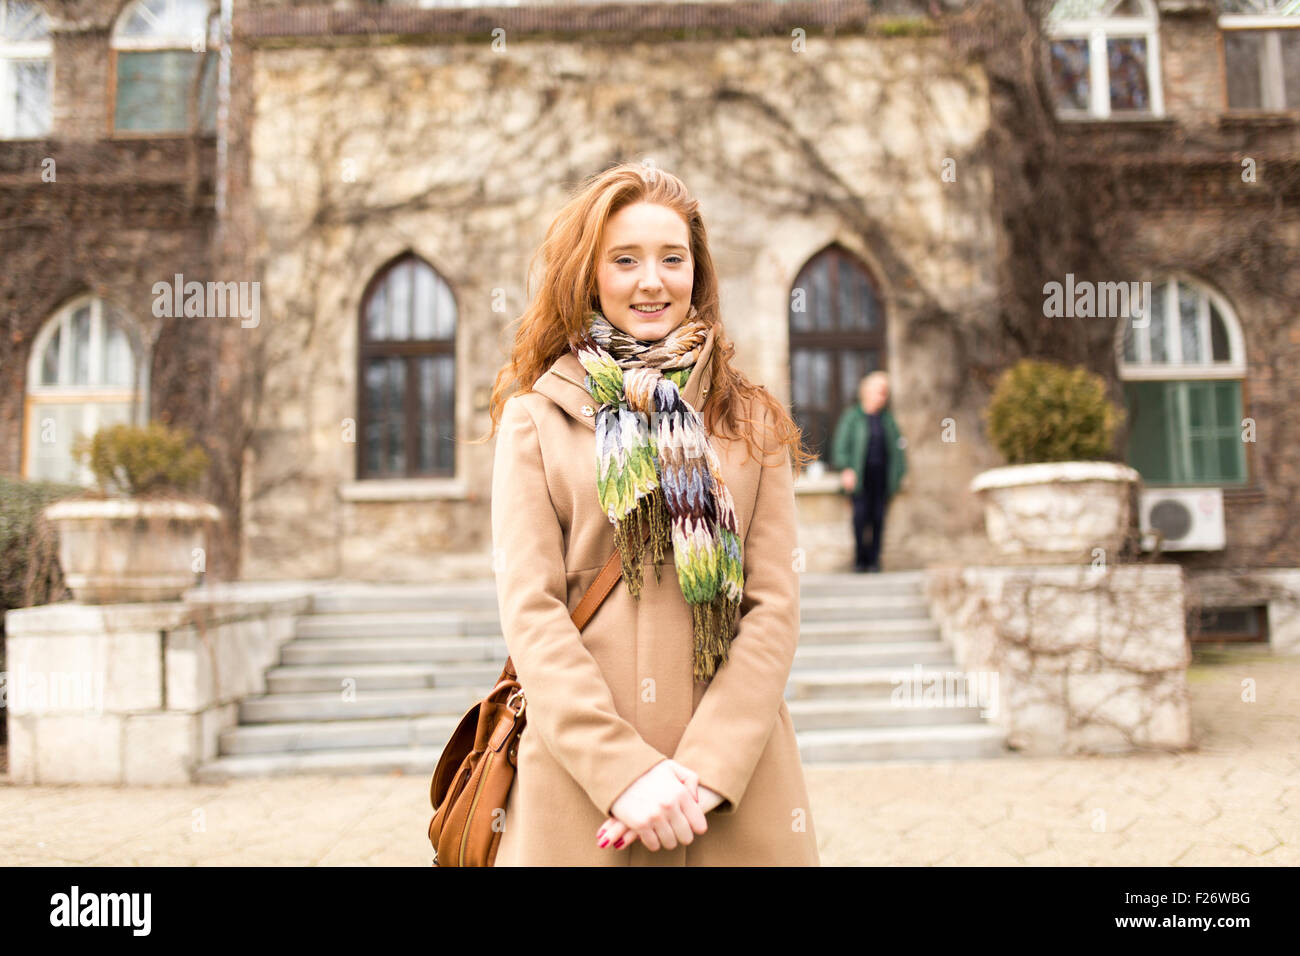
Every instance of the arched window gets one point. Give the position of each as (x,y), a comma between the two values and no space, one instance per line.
(25,76)
(837,335)
(1183,372)
(1104,57)
(87,371)
(407,373)
(161,48)
(1261,53)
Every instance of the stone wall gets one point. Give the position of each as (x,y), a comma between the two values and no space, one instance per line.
(136,693)
(461,152)
(1089,661)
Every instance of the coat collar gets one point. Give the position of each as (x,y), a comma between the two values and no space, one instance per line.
(562,384)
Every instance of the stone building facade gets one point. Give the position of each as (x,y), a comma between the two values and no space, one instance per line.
(390,153)
(104,189)
(456,150)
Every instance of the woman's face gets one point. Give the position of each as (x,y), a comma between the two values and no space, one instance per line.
(646,260)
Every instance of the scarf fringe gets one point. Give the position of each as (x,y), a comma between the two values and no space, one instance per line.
(629,533)
(714,624)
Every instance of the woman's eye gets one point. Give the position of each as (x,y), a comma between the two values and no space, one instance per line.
(622,259)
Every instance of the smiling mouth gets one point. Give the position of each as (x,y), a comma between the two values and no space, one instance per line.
(654,309)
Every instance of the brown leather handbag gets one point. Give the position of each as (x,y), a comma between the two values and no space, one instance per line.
(477,767)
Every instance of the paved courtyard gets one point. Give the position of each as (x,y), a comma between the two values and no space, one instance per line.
(1235,800)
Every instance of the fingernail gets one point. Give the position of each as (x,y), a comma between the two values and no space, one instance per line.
(619,843)
(603,842)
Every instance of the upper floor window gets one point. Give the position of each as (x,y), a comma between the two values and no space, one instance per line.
(407,374)
(1183,371)
(837,336)
(87,371)
(25,75)
(164,55)
(1104,57)
(1261,53)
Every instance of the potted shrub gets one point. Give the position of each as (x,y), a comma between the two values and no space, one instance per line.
(1057,498)
(137,537)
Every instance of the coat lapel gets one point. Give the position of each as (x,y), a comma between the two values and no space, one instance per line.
(562,384)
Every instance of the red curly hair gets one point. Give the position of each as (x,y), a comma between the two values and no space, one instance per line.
(569,293)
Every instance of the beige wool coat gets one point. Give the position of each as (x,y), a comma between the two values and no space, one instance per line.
(606,704)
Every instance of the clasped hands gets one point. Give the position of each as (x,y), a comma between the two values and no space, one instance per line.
(663,807)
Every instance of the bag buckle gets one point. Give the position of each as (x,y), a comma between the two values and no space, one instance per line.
(517,692)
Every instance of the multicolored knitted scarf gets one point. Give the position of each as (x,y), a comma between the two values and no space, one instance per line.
(655,463)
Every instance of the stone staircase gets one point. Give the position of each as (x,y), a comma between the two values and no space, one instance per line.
(376,678)
(860,636)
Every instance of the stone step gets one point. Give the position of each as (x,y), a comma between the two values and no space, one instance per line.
(945,742)
(416,761)
(827,713)
(394,650)
(357,599)
(475,618)
(817,657)
(448,623)
(482,595)
(303,679)
(270,708)
(313,735)
(869,681)
(864,608)
(822,584)
(937,742)
(861,631)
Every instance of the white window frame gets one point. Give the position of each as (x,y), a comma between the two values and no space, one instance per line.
(89,395)
(1097,30)
(1177,369)
(1271,86)
(23,50)
(162,39)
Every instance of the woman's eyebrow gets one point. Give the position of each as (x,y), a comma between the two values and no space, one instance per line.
(636,248)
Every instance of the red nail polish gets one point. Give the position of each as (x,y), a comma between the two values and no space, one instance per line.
(603,842)
(619,843)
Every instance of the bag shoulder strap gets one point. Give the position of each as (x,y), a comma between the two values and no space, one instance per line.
(596,593)
(598,590)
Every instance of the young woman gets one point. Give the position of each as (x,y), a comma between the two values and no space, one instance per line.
(659,734)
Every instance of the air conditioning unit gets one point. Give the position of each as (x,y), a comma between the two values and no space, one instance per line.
(1188,519)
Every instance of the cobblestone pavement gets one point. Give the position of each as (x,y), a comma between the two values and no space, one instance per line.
(1234,800)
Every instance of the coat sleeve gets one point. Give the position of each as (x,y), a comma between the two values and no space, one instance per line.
(901,444)
(839,453)
(568,704)
(730,728)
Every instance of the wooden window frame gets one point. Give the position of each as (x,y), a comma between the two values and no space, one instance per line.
(410,350)
(838,339)
(1271,25)
(161,43)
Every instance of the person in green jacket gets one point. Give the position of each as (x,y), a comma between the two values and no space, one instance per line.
(867,448)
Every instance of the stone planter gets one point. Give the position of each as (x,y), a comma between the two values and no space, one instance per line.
(1056,511)
(115,550)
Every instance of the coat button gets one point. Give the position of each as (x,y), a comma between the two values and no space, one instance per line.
(587,410)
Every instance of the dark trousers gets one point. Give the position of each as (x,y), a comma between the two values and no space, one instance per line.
(869,519)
